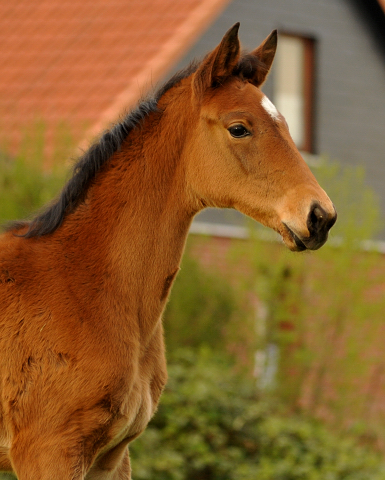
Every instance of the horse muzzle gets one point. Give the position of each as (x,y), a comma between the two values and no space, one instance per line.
(318,224)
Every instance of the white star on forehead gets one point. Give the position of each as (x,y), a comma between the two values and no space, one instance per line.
(270,108)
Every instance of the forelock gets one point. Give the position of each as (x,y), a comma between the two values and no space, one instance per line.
(248,66)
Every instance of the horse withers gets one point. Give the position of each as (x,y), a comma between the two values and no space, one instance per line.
(83,285)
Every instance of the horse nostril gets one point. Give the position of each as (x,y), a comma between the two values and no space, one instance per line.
(317,219)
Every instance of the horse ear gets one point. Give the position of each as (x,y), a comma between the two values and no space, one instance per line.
(219,64)
(265,54)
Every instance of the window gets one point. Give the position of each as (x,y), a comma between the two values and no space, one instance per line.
(294,87)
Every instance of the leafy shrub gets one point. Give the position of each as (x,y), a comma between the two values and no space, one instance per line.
(30,178)
(201,306)
(211,426)
(319,314)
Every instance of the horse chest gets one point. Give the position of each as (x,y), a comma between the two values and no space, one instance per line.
(136,410)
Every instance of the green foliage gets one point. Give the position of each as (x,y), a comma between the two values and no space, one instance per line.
(324,310)
(359,216)
(201,307)
(26,183)
(211,426)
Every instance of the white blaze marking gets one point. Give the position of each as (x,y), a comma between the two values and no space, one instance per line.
(270,108)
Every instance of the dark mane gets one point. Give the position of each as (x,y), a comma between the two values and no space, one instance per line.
(89,164)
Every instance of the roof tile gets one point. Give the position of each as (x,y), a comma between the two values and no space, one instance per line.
(83,61)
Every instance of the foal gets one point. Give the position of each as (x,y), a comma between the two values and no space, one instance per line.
(84,284)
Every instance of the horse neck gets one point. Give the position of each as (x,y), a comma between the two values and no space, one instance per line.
(132,228)
(152,207)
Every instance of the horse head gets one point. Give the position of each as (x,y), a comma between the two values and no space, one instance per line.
(242,155)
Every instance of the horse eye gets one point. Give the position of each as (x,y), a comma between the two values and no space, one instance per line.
(238,131)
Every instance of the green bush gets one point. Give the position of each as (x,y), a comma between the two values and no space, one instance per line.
(330,298)
(201,308)
(31,178)
(211,426)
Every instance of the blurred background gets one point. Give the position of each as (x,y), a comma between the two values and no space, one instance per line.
(277,360)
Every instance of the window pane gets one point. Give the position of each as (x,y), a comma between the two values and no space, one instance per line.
(289,85)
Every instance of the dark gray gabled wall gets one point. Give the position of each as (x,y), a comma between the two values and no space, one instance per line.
(350,71)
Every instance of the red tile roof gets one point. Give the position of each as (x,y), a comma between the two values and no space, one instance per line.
(82,61)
